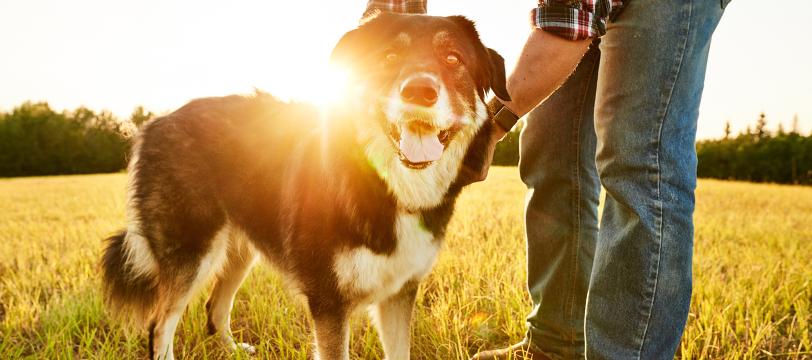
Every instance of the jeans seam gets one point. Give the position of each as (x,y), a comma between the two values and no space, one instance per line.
(577,193)
(658,204)
(573,259)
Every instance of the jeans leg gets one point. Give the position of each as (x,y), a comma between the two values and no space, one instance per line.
(558,166)
(649,87)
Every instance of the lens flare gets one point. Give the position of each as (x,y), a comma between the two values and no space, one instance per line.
(333,87)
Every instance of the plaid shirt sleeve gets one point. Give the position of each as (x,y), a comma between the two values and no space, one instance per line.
(575,19)
(396,6)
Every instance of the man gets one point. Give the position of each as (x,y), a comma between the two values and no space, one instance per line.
(622,82)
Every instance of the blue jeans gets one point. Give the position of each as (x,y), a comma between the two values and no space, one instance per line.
(625,119)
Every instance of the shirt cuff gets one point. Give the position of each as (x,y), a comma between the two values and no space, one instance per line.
(567,22)
(396,6)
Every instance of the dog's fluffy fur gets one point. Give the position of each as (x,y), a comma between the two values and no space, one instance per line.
(329,199)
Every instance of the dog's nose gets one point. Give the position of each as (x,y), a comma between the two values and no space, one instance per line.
(419,91)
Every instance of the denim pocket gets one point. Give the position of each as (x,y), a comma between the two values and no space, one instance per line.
(724,3)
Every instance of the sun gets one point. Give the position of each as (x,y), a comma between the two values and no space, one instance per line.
(333,86)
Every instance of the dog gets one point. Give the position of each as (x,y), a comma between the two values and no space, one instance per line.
(349,204)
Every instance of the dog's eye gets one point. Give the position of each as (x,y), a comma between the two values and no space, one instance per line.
(391,57)
(452,59)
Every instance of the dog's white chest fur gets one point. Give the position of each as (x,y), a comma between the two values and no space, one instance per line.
(377,276)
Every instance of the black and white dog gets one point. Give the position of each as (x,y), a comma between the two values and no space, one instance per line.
(351,207)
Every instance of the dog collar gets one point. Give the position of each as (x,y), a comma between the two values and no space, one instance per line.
(502,116)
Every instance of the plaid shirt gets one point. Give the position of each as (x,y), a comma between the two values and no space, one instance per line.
(571,19)
(397,6)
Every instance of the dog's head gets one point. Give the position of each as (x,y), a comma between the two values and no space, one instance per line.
(419,98)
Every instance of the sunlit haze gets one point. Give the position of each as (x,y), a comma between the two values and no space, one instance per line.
(159,54)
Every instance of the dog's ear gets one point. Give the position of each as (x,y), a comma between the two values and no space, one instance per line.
(356,42)
(491,66)
(498,79)
(347,46)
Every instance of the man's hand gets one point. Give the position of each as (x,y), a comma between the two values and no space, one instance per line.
(496,135)
(480,154)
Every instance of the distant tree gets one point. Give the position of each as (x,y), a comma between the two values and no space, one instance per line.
(761,127)
(140,116)
(727,130)
(795,129)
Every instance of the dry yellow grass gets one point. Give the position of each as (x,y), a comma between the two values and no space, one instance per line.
(752,294)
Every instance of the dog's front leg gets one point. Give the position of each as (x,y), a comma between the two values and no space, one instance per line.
(332,336)
(393,318)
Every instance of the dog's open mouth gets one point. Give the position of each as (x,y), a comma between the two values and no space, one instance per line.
(420,144)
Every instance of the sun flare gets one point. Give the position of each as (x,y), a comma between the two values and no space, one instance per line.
(333,87)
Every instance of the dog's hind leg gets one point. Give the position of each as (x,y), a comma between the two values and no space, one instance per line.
(180,281)
(162,330)
(240,259)
(392,318)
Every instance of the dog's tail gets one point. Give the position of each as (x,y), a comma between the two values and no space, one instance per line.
(128,293)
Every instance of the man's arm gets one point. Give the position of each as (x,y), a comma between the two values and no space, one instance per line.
(546,61)
(562,32)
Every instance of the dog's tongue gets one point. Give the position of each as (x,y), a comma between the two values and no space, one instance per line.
(418,148)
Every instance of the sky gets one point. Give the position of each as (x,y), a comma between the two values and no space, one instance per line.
(116,55)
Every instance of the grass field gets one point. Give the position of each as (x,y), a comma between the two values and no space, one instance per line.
(752,292)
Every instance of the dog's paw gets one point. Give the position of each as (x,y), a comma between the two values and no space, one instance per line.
(247,348)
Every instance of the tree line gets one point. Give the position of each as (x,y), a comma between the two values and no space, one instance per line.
(36,140)
(759,155)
